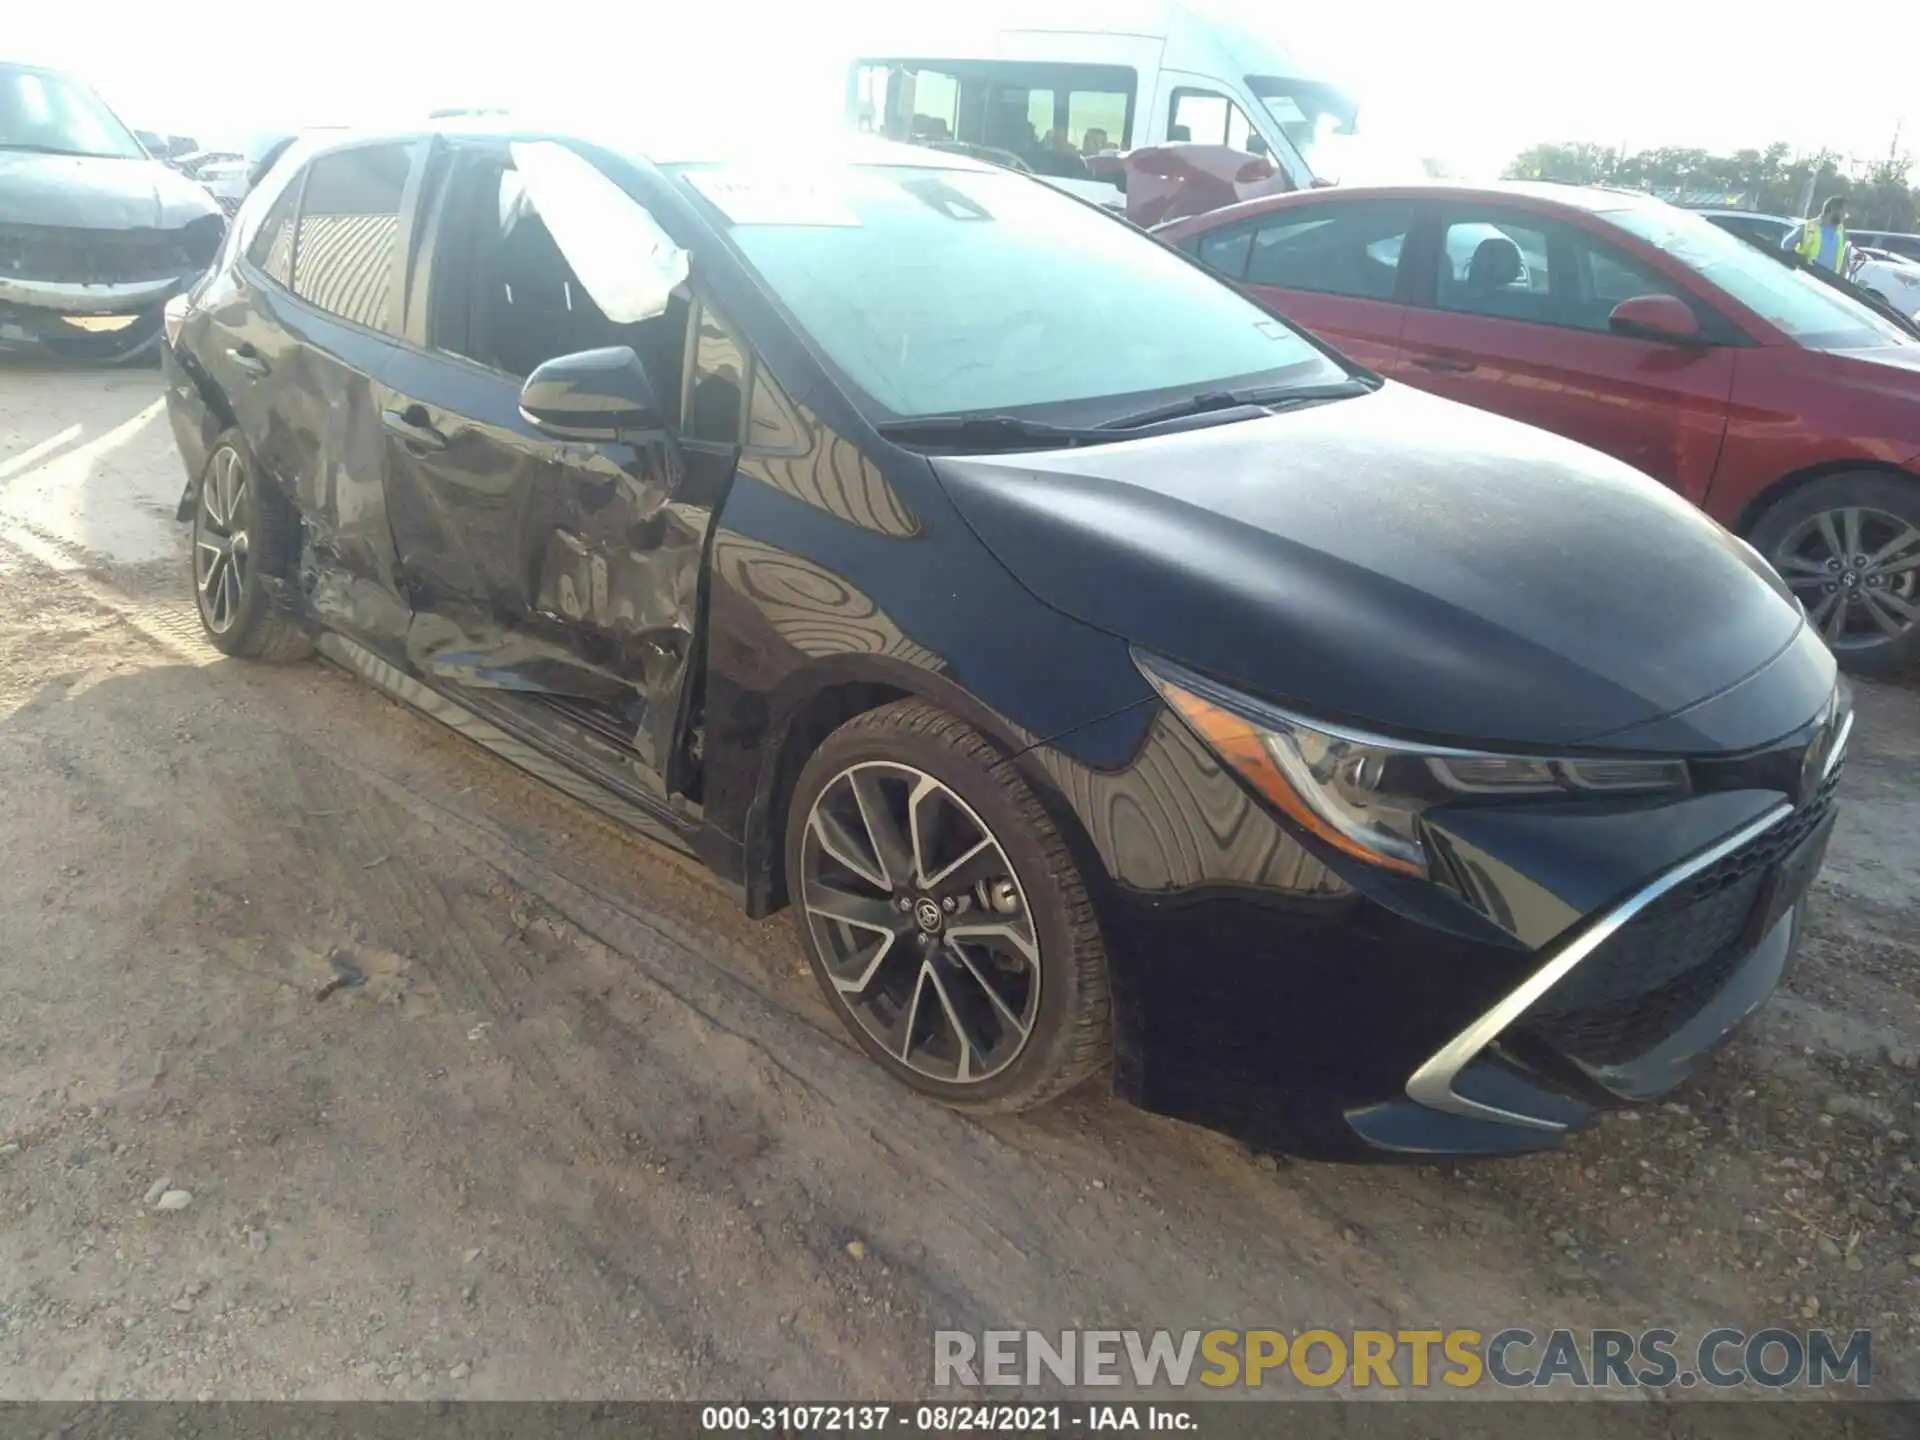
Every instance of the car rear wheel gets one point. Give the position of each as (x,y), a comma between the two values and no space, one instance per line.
(943,914)
(1849,547)
(244,533)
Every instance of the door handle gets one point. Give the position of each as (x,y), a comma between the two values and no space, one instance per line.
(415,429)
(1444,364)
(248,360)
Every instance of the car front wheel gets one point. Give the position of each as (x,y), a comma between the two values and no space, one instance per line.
(1849,547)
(943,914)
(244,533)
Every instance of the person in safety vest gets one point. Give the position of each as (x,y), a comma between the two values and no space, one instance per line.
(1823,240)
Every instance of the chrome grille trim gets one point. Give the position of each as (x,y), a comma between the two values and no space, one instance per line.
(1432,1084)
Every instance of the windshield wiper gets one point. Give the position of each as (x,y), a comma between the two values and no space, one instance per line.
(991,430)
(1268,397)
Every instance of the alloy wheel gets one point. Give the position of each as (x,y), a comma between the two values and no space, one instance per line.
(1857,570)
(221,556)
(920,922)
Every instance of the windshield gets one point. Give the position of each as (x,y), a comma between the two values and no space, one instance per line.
(52,114)
(1311,115)
(1816,315)
(938,292)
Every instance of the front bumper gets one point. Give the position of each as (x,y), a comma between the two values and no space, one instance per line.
(110,321)
(1269,992)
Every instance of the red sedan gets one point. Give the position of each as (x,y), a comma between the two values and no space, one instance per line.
(1784,409)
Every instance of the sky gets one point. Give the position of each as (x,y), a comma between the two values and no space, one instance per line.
(1458,81)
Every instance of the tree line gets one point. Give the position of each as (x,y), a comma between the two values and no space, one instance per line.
(1773,181)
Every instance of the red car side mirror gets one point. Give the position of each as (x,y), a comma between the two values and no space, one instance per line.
(1655,317)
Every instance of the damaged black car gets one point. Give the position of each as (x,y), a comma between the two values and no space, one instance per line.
(1114,681)
(95,234)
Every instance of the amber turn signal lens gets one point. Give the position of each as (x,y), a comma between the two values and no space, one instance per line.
(1243,745)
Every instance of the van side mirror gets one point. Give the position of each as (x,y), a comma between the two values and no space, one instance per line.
(592,395)
(1655,317)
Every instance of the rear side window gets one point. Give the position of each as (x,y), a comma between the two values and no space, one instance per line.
(272,249)
(1333,250)
(349,233)
(1225,251)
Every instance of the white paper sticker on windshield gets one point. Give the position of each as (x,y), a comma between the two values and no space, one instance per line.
(756,198)
(627,263)
(1285,109)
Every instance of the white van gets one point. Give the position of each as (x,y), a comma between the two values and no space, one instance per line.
(1053,83)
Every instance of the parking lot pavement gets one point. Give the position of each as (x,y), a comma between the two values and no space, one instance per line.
(580,1129)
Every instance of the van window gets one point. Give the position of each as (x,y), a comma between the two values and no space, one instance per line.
(1048,118)
(1309,115)
(1207,117)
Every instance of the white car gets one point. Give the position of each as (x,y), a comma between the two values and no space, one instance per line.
(223,173)
(1894,278)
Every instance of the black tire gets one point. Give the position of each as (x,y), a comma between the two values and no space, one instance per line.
(1069,1039)
(1791,535)
(239,614)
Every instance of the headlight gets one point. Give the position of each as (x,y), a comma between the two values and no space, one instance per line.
(1364,794)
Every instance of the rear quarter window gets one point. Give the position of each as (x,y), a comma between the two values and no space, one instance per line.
(271,251)
(349,232)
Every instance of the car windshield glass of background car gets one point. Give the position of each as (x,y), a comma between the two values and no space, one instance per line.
(1815,315)
(940,291)
(48,113)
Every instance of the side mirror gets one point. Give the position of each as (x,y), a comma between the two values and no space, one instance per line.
(591,395)
(1655,317)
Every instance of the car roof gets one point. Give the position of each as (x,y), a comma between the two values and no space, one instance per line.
(1735,212)
(664,145)
(1538,194)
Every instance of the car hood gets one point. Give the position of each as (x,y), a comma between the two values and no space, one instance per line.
(1395,560)
(95,193)
(1895,365)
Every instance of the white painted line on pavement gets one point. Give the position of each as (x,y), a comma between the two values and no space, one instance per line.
(34,454)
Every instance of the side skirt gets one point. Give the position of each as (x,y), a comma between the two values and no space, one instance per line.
(511,747)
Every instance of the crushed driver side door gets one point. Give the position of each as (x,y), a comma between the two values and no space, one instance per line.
(555,583)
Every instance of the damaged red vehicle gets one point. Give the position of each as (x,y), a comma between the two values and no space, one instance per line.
(1163,183)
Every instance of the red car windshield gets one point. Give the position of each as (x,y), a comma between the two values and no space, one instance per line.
(1815,315)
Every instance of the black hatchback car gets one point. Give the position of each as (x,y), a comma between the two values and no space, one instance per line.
(1113,680)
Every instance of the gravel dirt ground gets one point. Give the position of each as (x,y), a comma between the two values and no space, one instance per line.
(581,1130)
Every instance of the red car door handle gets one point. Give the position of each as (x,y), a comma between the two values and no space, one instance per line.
(1445,364)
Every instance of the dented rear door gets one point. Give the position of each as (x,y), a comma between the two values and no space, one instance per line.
(298,339)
